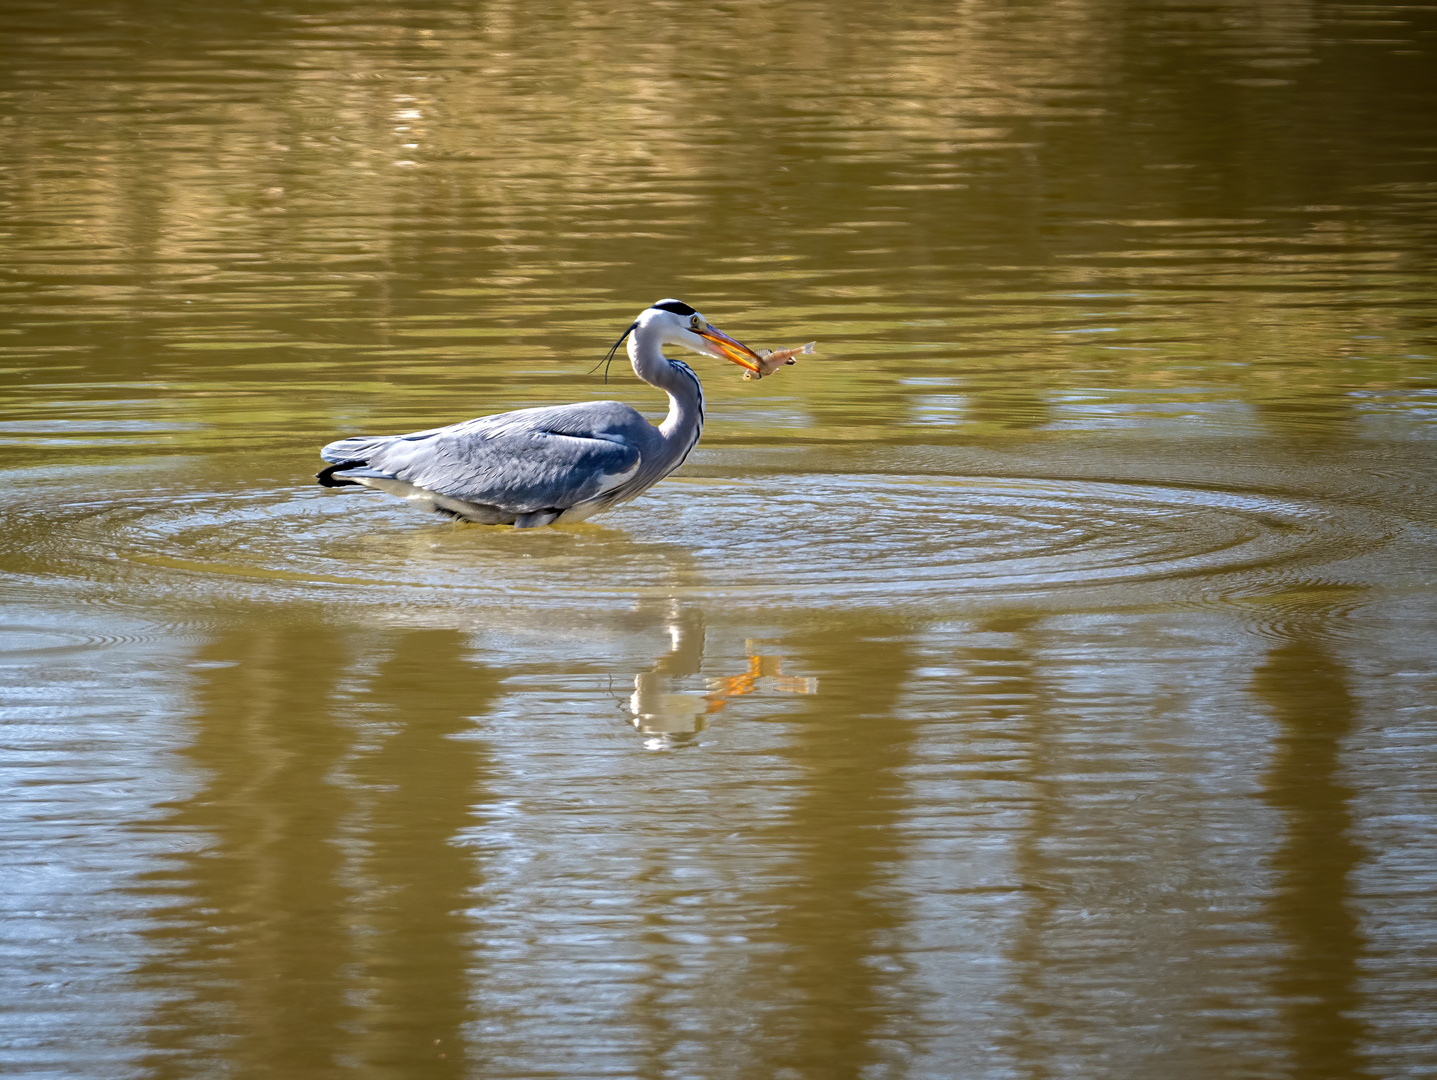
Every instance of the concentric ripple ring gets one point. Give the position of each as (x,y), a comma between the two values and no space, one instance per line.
(814,540)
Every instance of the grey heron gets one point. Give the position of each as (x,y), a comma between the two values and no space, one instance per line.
(534,467)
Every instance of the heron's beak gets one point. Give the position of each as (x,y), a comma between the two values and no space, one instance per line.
(726,348)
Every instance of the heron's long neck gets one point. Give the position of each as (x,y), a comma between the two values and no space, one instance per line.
(686,396)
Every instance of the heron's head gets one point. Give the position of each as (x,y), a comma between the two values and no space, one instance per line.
(675,323)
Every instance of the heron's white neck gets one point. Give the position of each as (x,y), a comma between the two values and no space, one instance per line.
(686,396)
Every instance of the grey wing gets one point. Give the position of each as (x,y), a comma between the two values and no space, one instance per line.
(515,461)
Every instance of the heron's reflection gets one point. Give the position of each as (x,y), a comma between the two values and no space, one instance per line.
(661,709)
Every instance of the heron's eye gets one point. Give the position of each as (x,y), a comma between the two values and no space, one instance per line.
(697,323)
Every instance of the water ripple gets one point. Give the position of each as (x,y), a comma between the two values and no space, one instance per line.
(796,541)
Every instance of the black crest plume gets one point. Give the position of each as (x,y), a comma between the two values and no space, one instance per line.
(609,357)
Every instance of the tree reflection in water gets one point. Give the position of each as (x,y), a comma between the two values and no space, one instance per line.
(1305,689)
(318,919)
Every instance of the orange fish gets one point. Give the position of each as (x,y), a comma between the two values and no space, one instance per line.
(770,360)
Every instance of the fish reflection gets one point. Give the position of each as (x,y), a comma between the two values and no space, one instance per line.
(671,716)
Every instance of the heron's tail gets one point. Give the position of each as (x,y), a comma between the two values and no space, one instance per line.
(351,456)
(356,448)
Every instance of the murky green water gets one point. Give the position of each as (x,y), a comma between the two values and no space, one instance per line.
(1037,683)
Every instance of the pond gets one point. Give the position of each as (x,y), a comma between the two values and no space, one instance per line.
(1037,681)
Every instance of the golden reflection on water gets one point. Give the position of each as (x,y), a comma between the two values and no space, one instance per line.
(364,202)
(1036,682)
(322,915)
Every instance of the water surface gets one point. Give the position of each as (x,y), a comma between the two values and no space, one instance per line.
(1036,682)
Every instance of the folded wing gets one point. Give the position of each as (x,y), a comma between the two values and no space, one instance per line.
(523,462)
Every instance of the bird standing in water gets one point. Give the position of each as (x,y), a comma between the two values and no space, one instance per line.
(535,467)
